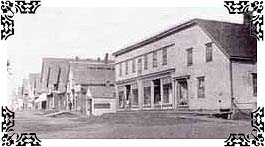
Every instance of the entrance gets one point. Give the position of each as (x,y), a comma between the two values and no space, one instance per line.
(157,92)
(182,93)
(128,96)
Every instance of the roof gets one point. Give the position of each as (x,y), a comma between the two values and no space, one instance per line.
(233,38)
(92,73)
(102,92)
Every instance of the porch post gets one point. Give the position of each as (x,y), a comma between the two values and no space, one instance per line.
(161,93)
(152,95)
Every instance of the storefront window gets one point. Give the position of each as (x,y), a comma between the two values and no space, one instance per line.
(121,99)
(135,94)
(147,95)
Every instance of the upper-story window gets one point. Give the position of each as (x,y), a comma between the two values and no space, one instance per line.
(133,65)
(145,62)
(155,59)
(189,56)
(120,69)
(140,66)
(209,52)
(254,78)
(201,87)
(126,68)
(164,56)
(48,78)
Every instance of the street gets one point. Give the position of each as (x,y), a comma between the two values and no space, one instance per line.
(72,125)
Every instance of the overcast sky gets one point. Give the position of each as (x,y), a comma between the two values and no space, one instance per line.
(91,32)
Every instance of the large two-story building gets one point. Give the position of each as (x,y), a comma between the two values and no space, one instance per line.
(197,65)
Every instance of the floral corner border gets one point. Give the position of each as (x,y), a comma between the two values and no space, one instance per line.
(8,11)
(255,137)
(254,10)
(12,138)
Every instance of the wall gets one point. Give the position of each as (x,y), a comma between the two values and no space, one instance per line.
(217,76)
(243,84)
(103,100)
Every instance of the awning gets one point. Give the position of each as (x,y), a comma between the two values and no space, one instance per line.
(42,97)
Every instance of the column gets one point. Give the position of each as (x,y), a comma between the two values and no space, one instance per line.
(152,95)
(161,93)
(174,96)
(124,98)
(140,94)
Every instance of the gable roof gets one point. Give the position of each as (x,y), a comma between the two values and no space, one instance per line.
(233,38)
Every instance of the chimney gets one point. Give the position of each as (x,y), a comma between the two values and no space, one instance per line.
(98,59)
(106,58)
(247,18)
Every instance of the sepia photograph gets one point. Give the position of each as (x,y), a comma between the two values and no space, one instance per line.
(132,72)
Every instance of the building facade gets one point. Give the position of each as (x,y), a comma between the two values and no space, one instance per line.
(84,85)
(91,86)
(199,65)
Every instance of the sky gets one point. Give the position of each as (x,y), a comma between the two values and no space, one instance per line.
(91,32)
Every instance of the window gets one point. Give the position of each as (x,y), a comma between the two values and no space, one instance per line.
(209,52)
(164,52)
(121,99)
(167,90)
(145,62)
(189,56)
(56,86)
(48,78)
(133,66)
(254,78)
(126,67)
(155,59)
(147,93)
(135,97)
(140,66)
(120,69)
(201,87)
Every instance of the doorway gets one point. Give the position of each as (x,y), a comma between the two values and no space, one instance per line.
(182,93)
(128,97)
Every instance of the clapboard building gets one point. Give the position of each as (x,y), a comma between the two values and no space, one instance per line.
(197,65)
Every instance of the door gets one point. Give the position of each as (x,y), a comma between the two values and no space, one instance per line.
(182,94)
(128,97)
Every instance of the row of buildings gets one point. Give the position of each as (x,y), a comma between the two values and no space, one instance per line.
(197,65)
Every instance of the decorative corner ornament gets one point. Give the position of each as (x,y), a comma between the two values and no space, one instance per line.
(8,11)
(12,138)
(254,9)
(255,137)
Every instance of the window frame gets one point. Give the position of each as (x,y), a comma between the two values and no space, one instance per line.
(154,59)
(133,65)
(189,56)
(209,52)
(145,62)
(254,84)
(126,68)
(164,56)
(139,66)
(201,88)
(120,69)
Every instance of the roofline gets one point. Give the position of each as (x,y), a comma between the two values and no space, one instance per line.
(155,38)
(163,34)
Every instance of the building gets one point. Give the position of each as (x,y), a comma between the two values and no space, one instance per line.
(53,81)
(79,84)
(27,102)
(34,90)
(197,65)
(91,86)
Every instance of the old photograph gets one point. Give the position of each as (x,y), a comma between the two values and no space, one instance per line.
(132,73)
